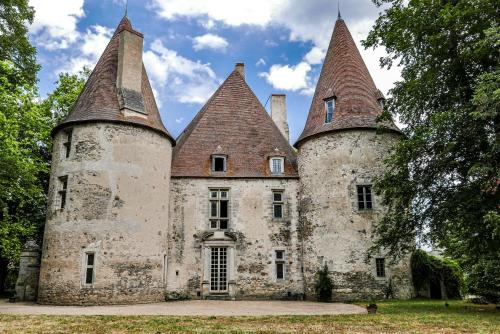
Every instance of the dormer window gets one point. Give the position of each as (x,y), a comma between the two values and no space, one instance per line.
(219,163)
(381,102)
(329,107)
(276,165)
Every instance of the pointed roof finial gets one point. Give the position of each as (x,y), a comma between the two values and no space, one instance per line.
(126,8)
(338,7)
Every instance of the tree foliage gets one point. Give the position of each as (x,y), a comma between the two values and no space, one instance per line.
(442,184)
(323,285)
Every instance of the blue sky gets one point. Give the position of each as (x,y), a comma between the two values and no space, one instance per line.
(191,46)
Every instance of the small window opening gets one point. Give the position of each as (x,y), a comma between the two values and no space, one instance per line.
(219,209)
(89,268)
(279,259)
(381,102)
(329,106)
(277,165)
(63,189)
(67,143)
(365,197)
(380,265)
(278,204)
(218,163)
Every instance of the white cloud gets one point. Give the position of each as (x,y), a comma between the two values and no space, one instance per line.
(260,62)
(315,56)
(179,120)
(91,45)
(286,77)
(209,41)
(54,26)
(306,20)
(177,77)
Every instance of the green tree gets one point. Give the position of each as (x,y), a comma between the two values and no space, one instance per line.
(68,87)
(442,184)
(15,16)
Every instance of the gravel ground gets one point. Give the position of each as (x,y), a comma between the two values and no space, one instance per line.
(191,307)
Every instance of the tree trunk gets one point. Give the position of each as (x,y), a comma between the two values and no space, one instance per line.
(3,274)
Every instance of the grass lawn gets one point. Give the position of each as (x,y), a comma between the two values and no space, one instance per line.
(415,316)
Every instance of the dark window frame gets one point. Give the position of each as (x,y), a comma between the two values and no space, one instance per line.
(279,264)
(63,191)
(89,268)
(380,266)
(67,143)
(364,197)
(215,158)
(219,208)
(278,203)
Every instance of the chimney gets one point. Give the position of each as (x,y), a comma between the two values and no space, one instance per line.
(278,113)
(129,73)
(240,67)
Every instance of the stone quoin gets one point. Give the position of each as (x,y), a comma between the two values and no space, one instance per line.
(228,210)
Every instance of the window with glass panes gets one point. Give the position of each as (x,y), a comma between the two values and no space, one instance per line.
(365,197)
(277,165)
(219,209)
(89,268)
(380,265)
(279,260)
(277,204)
(329,106)
(63,189)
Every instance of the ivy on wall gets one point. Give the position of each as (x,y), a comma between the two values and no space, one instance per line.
(426,268)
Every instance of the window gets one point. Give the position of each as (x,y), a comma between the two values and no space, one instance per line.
(67,143)
(380,264)
(219,163)
(219,209)
(329,106)
(381,102)
(278,204)
(63,188)
(89,268)
(279,259)
(365,197)
(277,165)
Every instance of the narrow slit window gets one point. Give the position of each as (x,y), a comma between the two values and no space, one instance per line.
(219,163)
(219,209)
(63,190)
(278,204)
(277,165)
(279,260)
(89,268)
(329,106)
(365,197)
(67,143)
(380,265)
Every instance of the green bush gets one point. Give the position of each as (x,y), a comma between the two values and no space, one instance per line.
(426,268)
(324,285)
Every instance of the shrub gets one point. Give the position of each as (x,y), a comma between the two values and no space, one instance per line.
(324,285)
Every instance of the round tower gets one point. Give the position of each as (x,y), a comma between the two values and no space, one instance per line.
(105,237)
(340,153)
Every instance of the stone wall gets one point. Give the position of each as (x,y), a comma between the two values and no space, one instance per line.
(117,207)
(29,271)
(253,237)
(336,232)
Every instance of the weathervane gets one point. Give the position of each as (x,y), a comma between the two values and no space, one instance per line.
(338,7)
(126,8)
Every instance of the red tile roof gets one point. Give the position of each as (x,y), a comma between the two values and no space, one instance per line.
(234,123)
(98,101)
(345,77)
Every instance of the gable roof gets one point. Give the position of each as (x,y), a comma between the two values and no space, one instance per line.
(345,77)
(234,123)
(98,100)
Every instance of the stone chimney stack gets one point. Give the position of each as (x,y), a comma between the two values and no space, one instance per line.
(240,67)
(278,113)
(129,74)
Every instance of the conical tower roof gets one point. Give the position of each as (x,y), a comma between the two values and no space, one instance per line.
(233,123)
(99,99)
(345,78)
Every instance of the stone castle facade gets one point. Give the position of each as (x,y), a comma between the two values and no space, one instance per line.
(227,210)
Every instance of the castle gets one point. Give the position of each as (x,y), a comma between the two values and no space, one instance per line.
(227,210)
